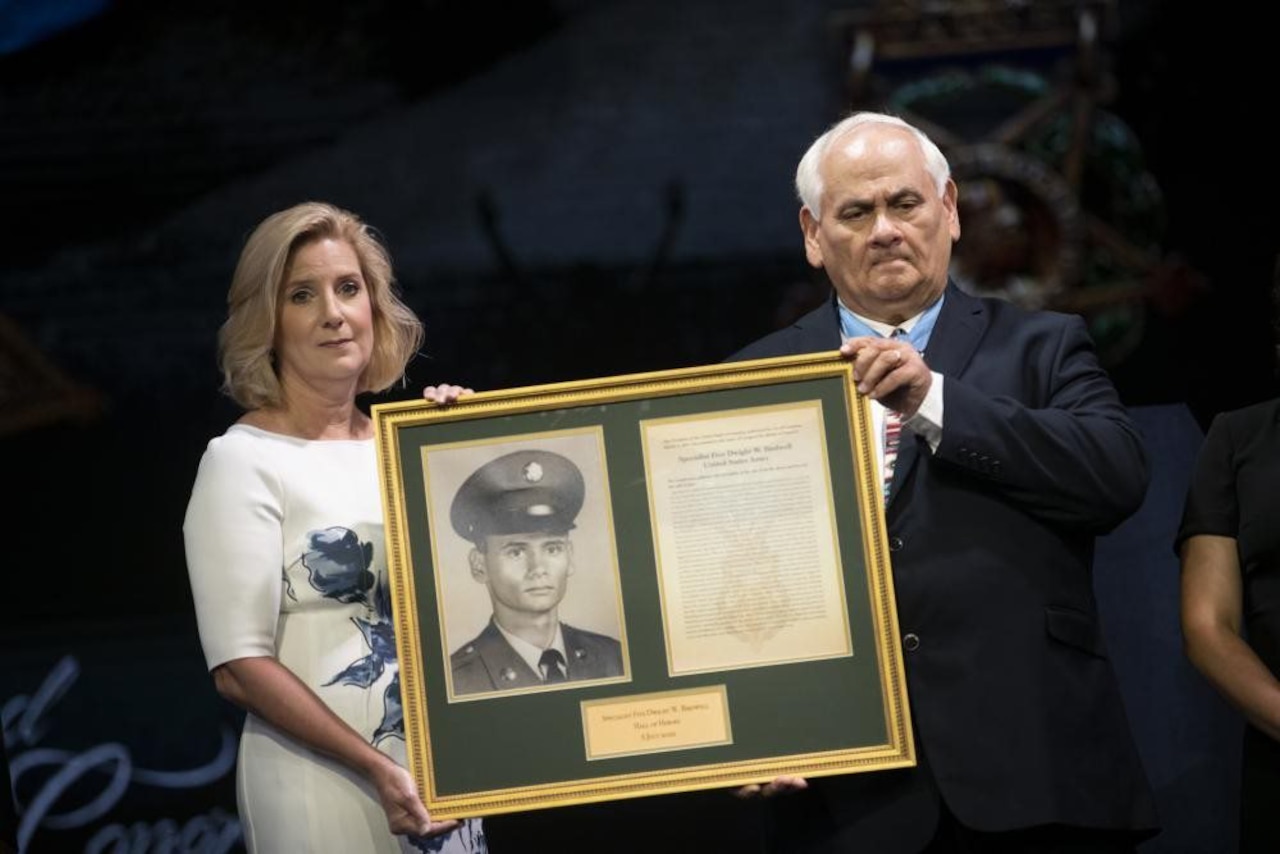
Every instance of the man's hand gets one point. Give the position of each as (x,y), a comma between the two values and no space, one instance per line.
(889,371)
(445,393)
(776,786)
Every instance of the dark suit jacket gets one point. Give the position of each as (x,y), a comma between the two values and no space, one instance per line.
(1016,707)
(488,663)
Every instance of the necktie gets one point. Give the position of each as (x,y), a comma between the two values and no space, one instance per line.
(550,662)
(892,435)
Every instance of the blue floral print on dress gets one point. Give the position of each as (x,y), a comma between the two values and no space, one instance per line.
(338,563)
(469,834)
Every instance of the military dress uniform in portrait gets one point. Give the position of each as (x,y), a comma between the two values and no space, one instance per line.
(517,511)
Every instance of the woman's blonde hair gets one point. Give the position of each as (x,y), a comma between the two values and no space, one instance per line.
(247,336)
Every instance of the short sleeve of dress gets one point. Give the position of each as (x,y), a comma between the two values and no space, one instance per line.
(1212,506)
(234,549)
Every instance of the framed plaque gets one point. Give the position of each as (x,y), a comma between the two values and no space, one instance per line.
(703,548)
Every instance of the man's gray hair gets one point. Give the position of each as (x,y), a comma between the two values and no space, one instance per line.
(809,176)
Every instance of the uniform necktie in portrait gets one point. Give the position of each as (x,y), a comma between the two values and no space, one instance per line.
(551,663)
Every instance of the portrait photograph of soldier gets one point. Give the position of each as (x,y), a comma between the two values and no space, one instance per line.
(529,585)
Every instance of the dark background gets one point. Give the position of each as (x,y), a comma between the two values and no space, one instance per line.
(569,189)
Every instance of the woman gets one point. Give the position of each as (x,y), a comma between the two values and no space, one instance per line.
(284,544)
(1229,544)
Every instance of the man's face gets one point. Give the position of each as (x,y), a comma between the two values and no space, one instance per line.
(527,573)
(885,234)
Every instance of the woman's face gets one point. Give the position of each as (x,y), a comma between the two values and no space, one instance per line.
(324,333)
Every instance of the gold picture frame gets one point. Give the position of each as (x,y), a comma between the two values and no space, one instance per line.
(730,555)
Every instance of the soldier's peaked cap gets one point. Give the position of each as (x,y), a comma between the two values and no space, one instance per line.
(523,492)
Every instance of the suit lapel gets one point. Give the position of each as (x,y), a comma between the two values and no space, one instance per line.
(955,338)
(820,329)
(501,659)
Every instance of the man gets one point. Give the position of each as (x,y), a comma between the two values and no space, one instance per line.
(1014,454)
(518,510)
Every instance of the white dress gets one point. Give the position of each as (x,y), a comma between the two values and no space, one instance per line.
(285,549)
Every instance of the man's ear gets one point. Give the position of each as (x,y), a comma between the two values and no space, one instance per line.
(568,547)
(951,204)
(809,228)
(479,572)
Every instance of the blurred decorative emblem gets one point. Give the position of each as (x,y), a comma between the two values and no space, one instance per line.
(1057,207)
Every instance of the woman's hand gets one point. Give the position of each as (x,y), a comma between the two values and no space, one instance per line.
(444,393)
(399,796)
